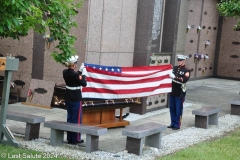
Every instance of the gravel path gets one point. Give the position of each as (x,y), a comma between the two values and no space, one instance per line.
(170,143)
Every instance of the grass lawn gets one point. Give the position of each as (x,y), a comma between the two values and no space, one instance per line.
(226,148)
(10,152)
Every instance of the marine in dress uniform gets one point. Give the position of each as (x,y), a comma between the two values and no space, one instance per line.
(180,76)
(73,96)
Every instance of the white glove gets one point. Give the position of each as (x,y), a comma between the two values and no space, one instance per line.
(171,75)
(81,68)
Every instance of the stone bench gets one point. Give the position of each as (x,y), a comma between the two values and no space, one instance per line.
(32,123)
(205,116)
(58,128)
(149,133)
(235,106)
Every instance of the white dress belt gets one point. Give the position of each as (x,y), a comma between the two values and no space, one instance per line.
(73,88)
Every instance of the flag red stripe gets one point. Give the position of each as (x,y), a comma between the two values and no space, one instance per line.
(126,71)
(131,82)
(147,68)
(106,81)
(125,91)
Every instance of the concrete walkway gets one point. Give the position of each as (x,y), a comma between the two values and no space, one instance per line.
(207,92)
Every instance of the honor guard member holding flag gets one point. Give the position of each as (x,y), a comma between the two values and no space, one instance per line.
(180,76)
(73,96)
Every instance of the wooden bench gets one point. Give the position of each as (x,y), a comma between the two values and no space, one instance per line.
(92,133)
(32,123)
(149,133)
(205,116)
(235,106)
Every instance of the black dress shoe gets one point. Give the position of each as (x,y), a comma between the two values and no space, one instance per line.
(75,143)
(170,126)
(174,128)
(81,141)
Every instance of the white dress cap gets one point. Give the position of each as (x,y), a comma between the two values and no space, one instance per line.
(179,56)
(73,59)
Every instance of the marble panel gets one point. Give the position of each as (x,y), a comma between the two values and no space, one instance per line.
(236,69)
(56,69)
(91,143)
(144,22)
(224,56)
(56,137)
(72,127)
(81,31)
(52,68)
(194,12)
(32,131)
(199,70)
(39,98)
(38,56)
(128,26)
(169,26)
(226,45)
(80,44)
(205,111)
(235,101)
(134,145)
(201,122)
(208,71)
(202,41)
(93,57)
(207,14)
(21,90)
(213,119)
(154,140)
(15,43)
(109,59)
(233,60)
(95,20)
(125,59)
(58,80)
(225,69)
(111,25)
(143,130)
(227,30)
(191,42)
(82,15)
(28,118)
(235,110)
(24,50)
(190,53)
(231,20)
(141,59)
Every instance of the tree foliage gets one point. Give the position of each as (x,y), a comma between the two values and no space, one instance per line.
(230,8)
(54,18)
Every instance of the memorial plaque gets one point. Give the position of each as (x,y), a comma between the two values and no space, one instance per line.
(40,92)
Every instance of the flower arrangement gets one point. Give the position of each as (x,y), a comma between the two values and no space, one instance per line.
(206,57)
(236,28)
(48,39)
(188,27)
(207,43)
(199,29)
(204,69)
(198,57)
(30,94)
(12,85)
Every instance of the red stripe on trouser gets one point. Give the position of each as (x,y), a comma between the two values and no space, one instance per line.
(180,120)
(79,119)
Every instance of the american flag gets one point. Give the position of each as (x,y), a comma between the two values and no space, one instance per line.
(111,82)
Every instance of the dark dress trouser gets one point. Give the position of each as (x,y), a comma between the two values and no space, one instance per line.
(176,110)
(74,115)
